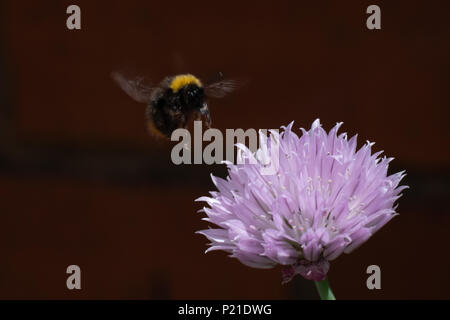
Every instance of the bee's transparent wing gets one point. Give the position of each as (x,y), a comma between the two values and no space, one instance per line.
(136,88)
(221,88)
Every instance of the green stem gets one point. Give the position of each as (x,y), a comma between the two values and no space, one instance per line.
(323,287)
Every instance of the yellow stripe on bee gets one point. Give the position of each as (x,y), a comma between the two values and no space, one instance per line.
(183,80)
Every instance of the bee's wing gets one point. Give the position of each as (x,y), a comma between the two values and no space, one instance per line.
(136,89)
(221,88)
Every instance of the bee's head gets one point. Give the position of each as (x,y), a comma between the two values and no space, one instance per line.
(193,96)
(189,89)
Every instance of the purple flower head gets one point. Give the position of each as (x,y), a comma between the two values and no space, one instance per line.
(327,198)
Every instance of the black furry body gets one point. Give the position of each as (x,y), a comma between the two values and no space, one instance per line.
(168,110)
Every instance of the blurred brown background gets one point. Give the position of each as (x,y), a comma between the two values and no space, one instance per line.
(82,183)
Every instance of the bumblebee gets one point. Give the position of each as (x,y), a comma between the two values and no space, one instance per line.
(176,100)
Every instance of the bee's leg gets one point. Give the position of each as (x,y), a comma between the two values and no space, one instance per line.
(182,121)
(205,112)
(197,116)
(189,118)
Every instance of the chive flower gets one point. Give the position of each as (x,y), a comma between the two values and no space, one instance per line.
(325,199)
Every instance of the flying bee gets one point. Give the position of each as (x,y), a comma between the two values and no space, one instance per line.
(175,100)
